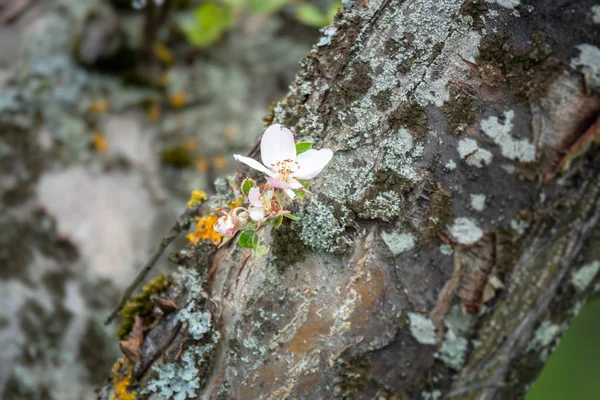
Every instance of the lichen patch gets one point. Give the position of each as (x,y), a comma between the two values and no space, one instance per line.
(582,278)
(422,328)
(465,231)
(472,154)
(514,149)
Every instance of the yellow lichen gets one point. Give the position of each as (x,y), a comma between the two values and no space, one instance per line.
(198,197)
(99,106)
(205,230)
(141,305)
(162,53)
(235,203)
(121,375)
(178,100)
(99,142)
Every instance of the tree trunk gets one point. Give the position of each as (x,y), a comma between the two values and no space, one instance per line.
(446,247)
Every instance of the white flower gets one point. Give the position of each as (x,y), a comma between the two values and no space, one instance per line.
(256,209)
(281,165)
(225,225)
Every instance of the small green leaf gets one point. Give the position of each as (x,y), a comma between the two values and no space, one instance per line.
(261,251)
(301,147)
(276,221)
(210,22)
(299,194)
(265,6)
(248,240)
(247,185)
(305,183)
(292,217)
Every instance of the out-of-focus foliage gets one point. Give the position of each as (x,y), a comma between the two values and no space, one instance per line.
(213,19)
(311,15)
(210,22)
(572,371)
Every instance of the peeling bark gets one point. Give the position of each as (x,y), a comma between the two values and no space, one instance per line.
(438,252)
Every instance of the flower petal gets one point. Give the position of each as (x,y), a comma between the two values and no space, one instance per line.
(277,144)
(312,163)
(254,197)
(253,163)
(290,193)
(256,213)
(279,184)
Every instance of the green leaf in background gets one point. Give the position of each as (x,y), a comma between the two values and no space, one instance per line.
(248,240)
(276,222)
(210,22)
(299,194)
(301,147)
(247,185)
(305,183)
(311,15)
(265,6)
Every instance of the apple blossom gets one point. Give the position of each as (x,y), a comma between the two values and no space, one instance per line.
(282,165)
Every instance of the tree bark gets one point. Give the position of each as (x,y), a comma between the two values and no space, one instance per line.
(447,246)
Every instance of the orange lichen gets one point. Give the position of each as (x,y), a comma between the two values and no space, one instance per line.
(99,142)
(219,161)
(201,164)
(198,197)
(190,144)
(205,230)
(121,374)
(178,99)
(99,106)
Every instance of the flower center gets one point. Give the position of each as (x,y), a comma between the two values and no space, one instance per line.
(285,168)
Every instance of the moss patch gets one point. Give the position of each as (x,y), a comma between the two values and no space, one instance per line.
(141,305)
(178,157)
(287,248)
(475,9)
(440,214)
(358,82)
(528,70)
(382,100)
(412,117)
(460,113)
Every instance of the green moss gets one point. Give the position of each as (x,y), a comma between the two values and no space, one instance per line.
(178,157)
(475,9)
(286,248)
(140,305)
(441,214)
(506,251)
(460,113)
(528,71)
(382,100)
(412,117)
(358,82)
(353,373)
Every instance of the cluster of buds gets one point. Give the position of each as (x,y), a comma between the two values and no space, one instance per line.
(288,167)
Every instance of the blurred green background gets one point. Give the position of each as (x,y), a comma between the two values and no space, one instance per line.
(573,369)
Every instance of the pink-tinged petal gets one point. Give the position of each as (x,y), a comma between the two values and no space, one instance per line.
(253,163)
(254,197)
(296,185)
(277,144)
(256,213)
(279,184)
(290,193)
(312,163)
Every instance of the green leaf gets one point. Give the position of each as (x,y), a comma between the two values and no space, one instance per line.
(276,221)
(265,6)
(299,194)
(210,22)
(305,183)
(292,217)
(301,147)
(333,9)
(311,15)
(248,239)
(261,251)
(247,184)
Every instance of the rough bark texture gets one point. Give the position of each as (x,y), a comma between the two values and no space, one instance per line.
(447,246)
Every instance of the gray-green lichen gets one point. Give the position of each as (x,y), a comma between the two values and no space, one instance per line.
(385,206)
(514,149)
(398,242)
(422,328)
(198,321)
(321,229)
(453,350)
(544,336)
(472,154)
(582,278)
(478,202)
(588,61)
(465,231)
(446,249)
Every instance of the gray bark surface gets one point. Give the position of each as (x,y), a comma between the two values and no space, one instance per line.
(444,250)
